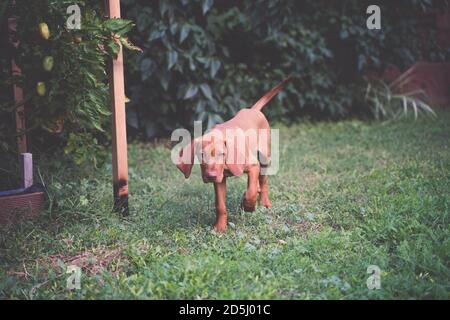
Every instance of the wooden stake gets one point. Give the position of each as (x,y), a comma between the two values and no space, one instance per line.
(119,132)
(26,167)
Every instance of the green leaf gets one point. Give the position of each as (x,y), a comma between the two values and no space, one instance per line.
(113,48)
(200,107)
(207,4)
(215,66)
(164,6)
(174,28)
(206,90)
(191,91)
(213,119)
(184,33)
(156,34)
(172,58)
(118,26)
(91,78)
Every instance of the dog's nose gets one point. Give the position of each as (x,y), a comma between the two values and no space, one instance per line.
(211,175)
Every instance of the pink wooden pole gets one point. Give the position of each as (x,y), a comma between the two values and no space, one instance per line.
(119,130)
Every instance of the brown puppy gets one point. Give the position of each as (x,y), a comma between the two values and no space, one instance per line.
(239,145)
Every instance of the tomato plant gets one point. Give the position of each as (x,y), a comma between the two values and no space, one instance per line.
(64,73)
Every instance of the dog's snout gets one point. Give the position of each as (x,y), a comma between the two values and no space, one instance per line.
(211,175)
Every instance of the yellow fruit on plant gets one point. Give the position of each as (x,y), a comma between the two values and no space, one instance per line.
(44,31)
(47,63)
(40,88)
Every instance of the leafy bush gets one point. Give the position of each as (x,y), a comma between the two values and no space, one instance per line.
(205,59)
(202,59)
(64,74)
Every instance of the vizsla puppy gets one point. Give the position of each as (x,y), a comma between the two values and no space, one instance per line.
(239,145)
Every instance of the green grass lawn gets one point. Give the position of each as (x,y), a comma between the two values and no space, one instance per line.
(348,195)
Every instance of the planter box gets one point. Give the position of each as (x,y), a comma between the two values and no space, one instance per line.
(434,80)
(20,207)
(431,78)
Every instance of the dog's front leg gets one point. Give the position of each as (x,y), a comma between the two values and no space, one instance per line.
(250,196)
(220,190)
(264,191)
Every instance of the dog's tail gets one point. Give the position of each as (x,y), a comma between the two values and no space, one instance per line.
(269,95)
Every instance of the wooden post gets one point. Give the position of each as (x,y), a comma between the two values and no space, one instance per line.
(119,132)
(17,90)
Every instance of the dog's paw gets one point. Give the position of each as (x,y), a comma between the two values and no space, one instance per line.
(248,206)
(264,201)
(220,227)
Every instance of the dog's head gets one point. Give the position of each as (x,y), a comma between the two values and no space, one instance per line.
(212,151)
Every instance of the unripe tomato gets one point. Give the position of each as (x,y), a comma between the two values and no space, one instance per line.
(47,63)
(44,31)
(40,88)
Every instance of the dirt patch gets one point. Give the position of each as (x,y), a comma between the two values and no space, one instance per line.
(91,262)
(306,226)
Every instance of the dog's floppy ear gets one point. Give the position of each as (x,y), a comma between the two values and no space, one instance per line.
(235,157)
(186,159)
